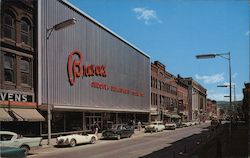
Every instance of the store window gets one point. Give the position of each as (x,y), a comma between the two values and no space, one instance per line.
(9,27)
(25,69)
(9,68)
(26,31)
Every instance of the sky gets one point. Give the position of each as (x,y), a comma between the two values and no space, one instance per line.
(175,31)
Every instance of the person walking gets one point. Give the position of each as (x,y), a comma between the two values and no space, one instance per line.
(96,128)
(139,125)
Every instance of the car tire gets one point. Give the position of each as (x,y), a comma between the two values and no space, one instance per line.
(26,149)
(118,137)
(93,140)
(72,142)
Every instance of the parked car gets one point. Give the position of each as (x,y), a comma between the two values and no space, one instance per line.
(215,123)
(170,125)
(12,152)
(186,124)
(74,139)
(118,131)
(155,126)
(179,125)
(12,139)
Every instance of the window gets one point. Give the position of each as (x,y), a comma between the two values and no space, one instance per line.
(25,71)
(8,27)
(26,31)
(9,68)
(6,137)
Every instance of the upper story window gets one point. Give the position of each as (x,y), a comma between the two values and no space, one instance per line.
(26,31)
(25,69)
(9,73)
(9,26)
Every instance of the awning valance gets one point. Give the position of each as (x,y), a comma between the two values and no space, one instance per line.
(167,115)
(175,116)
(4,116)
(27,115)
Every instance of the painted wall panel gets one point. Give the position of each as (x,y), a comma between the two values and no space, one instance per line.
(126,66)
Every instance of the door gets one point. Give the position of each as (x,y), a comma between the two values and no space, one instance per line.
(7,140)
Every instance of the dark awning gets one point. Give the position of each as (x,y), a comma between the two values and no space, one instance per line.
(31,115)
(4,116)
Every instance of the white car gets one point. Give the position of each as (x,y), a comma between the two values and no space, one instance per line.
(170,125)
(74,139)
(12,139)
(155,127)
(186,124)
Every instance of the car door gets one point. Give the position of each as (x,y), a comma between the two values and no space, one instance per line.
(81,138)
(8,140)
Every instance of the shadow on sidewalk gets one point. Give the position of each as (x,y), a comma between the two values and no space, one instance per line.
(208,144)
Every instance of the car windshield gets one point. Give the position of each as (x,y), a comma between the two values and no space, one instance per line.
(116,127)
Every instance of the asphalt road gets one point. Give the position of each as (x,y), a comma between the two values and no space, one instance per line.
(169,143)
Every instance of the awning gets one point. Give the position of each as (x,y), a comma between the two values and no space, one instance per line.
(167,115)
(175,116)
(31,115)
(4,116)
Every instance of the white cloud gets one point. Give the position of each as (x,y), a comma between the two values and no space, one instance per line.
(247,33)
(234,75)
(227,83)
(216,78)
(217,96)
(221,96)
(146,15)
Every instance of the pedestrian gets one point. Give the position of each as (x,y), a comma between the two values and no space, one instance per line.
(96,127)
(139,125)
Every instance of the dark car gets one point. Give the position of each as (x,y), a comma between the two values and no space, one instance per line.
(12,152)
(118,131)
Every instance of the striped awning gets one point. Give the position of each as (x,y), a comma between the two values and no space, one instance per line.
(4,115)
(175,116)
(31,115)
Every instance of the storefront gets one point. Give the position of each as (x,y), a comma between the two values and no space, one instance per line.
(18,113)
(87,73)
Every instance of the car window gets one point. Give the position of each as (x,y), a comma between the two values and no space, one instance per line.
(6,137)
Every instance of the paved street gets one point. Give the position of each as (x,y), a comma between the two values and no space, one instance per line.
(156,145)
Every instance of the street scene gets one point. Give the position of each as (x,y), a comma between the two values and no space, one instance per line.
(127,79)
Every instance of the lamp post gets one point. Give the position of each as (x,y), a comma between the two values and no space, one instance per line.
(226,86)
(56,27)
(226,56)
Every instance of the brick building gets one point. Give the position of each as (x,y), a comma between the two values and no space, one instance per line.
(211,109)
(246,101)
(168,95)
(18,66)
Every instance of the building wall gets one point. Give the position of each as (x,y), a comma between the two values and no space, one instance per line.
(125,86)
(197,100)
(246,101)
(166,91)
(20,87)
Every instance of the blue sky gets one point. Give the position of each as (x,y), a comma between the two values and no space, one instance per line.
(174,31)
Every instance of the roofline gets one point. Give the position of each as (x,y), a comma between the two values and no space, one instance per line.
(101,25)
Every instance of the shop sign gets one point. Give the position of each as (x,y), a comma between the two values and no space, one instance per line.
(7,96)
(77,69)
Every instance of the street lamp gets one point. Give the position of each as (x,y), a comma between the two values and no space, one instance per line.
(56,27)
(233,85)
(226,56)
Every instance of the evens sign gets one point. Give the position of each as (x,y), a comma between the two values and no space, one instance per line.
(76,68)
(15,97)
